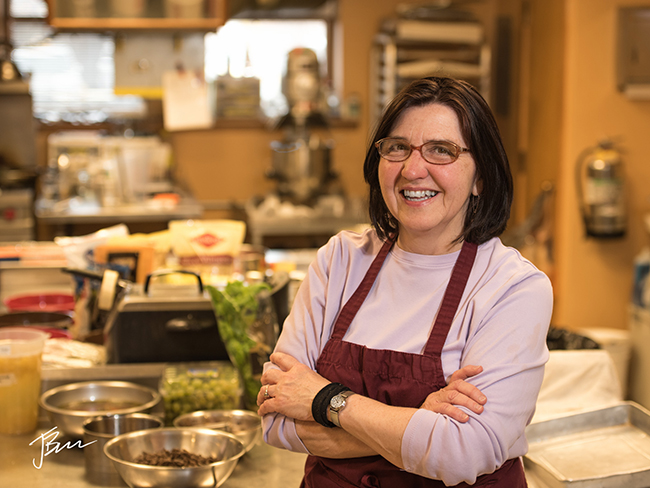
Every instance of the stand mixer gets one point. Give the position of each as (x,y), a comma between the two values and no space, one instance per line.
(301,162)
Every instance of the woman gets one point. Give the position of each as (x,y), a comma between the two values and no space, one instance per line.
(390,313)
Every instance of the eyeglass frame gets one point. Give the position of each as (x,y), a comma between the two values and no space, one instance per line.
(459,150)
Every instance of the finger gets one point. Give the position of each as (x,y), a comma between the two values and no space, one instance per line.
(454,397)
(466,372)
(264,394)
(271,376)
(453,412)
(283,361)
(468,390)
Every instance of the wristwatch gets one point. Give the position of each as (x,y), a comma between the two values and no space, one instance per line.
(338,403)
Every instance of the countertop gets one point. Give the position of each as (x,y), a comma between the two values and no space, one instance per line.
(263,466)
(73,212)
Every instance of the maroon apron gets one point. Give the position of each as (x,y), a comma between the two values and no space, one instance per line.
(395,378)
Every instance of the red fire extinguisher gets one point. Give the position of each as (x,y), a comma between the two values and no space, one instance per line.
(601,190)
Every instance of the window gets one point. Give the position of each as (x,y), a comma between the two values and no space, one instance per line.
(72,74)
(259,48)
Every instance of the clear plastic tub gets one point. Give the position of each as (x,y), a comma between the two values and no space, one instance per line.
(206,385)
(20,378)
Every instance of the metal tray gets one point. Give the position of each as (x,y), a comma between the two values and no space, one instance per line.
(605,448)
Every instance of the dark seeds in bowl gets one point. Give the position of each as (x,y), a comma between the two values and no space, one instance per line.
(176,458)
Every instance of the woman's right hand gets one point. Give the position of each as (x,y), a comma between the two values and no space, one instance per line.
(457,392)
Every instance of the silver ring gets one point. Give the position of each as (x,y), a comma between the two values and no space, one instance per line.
(266,393)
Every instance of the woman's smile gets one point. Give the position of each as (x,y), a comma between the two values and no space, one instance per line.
(418,195)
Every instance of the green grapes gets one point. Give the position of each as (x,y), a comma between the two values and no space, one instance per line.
(191,388)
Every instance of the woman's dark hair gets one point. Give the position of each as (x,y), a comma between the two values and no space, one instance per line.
(487,214)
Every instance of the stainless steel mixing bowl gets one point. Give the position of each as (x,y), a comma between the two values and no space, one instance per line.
(125,448)
(68,406)
(243,424)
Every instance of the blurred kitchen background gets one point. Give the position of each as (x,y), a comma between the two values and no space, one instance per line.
(143,112)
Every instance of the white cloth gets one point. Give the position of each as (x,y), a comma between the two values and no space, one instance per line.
(501,324)
(578,380)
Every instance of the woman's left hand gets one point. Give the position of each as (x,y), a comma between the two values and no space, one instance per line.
(457,392)
(289,390)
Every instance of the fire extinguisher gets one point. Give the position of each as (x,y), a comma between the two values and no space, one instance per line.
(601,192)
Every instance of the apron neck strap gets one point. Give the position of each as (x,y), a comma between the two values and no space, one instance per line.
(451,298)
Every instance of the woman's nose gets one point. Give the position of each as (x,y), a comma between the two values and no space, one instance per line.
(415,167)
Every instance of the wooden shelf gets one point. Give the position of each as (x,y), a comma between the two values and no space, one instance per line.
(61,17)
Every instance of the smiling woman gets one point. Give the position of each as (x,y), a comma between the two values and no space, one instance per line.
(415,350)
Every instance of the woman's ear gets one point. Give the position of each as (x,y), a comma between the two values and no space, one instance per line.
(477,189)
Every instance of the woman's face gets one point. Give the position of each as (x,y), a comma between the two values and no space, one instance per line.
(429,201)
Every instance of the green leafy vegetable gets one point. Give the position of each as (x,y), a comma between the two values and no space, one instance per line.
(236,308)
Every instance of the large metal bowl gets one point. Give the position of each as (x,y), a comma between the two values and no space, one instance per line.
(125,448)
(243,424)
(68,406)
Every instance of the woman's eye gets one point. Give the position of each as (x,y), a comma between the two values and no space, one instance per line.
(441,150)
(397,147)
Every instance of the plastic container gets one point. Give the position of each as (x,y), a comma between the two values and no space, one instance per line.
(189,9)
(128,8)
(208,385)
(20,379)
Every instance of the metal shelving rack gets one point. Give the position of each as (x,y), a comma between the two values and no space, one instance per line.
(407,50)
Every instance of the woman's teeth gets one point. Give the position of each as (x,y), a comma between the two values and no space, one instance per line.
(419,195)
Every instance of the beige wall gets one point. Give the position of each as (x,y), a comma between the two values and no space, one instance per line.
(594,277)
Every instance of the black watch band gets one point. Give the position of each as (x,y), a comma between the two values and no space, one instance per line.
(321,403)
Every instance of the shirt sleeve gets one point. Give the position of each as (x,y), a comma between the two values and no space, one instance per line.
(509,341)
(303,337)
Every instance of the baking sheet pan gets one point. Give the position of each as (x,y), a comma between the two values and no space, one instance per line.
(605,448)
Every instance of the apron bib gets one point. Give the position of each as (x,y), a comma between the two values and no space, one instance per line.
(395,378)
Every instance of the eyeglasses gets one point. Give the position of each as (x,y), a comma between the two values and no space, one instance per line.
(396,150)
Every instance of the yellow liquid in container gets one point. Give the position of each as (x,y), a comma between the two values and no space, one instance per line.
(20,387)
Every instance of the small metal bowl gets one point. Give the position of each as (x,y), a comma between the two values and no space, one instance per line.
(243,424)
(68,406)
(125,448)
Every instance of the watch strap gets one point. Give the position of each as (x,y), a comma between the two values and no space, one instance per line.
(334,412)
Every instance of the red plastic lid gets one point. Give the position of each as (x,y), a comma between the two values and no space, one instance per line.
(48,302)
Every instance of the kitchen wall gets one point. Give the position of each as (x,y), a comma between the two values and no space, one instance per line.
(594,277)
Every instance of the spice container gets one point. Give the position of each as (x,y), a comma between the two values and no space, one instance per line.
(209,385)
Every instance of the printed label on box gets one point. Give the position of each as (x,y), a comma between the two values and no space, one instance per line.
(7,379)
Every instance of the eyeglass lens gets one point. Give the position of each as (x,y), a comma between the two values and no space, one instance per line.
(435,152)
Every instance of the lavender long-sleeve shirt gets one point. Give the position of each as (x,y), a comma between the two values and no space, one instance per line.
(501,324)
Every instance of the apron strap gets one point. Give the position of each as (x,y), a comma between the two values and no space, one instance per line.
(352,306)
(451,299)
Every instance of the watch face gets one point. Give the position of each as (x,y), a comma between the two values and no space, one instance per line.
(337,402)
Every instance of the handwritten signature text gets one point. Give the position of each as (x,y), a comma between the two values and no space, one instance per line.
(49,445)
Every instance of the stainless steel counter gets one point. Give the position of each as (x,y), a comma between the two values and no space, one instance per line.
(64,213)
(264,466)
